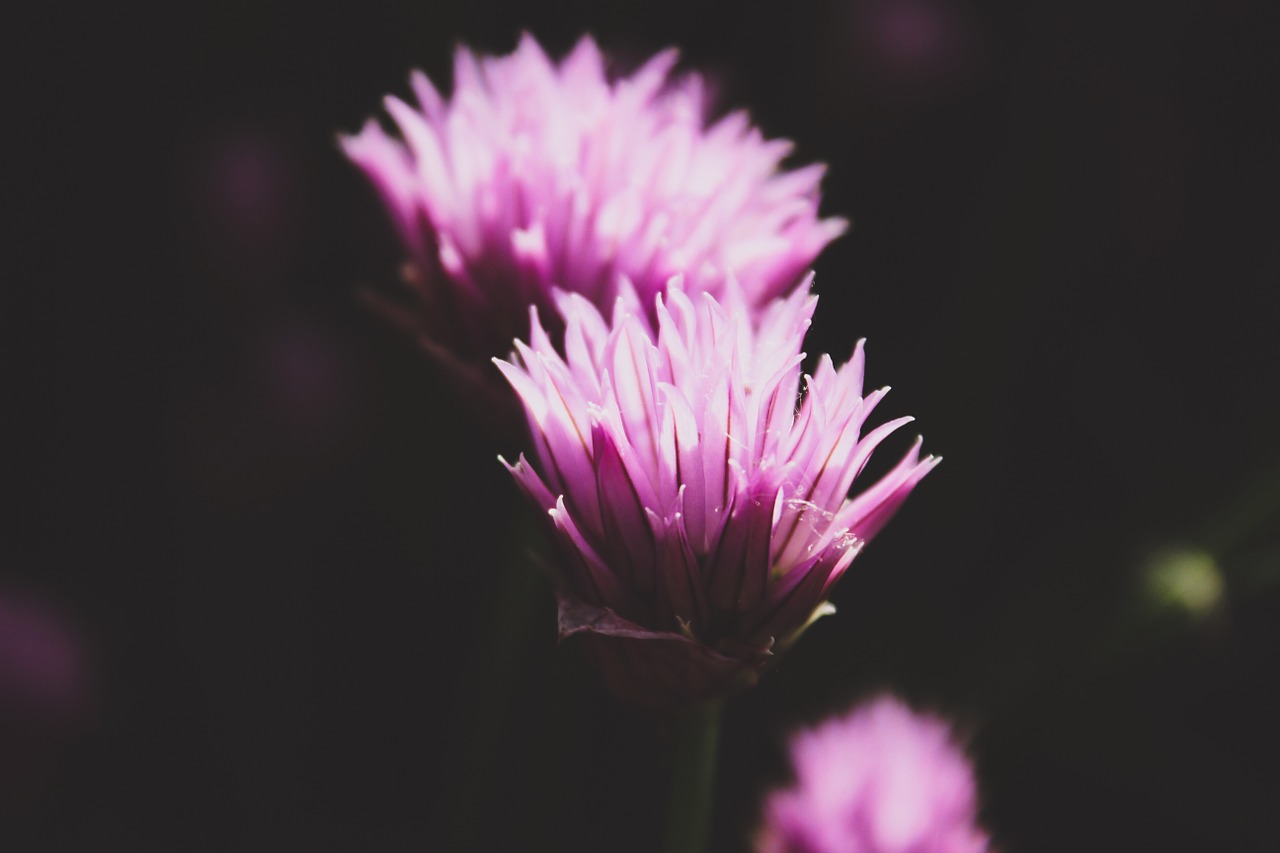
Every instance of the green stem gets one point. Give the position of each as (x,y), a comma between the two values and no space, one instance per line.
(691,764)
(503,649)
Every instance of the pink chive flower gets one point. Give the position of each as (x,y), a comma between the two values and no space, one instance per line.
(702,519)
(537,174)
(879,780)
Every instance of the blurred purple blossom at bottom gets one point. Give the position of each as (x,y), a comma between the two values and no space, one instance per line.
(881,779)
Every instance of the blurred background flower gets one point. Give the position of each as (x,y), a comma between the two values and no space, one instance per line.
(1063,252)
(537,174)
(879,779)
(46,697)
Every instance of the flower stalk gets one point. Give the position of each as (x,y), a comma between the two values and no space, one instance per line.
(691,763)
(503,652)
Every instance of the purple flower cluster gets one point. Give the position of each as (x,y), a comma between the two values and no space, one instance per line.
(702,517)
(537,175)
(698,485)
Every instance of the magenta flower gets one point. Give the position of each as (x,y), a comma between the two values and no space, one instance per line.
(702,518)
(537,175)
(879,780)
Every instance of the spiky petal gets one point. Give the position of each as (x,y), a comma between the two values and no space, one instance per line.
(702,518)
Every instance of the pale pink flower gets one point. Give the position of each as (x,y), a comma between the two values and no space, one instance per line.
(537,174)
(880,780)
(702,518)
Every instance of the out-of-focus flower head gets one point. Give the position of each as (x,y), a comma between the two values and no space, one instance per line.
(537,175)
(43,672)
(46,695)
(702,518)
(880,780)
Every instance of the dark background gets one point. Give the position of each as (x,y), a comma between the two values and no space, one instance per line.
(253,550)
